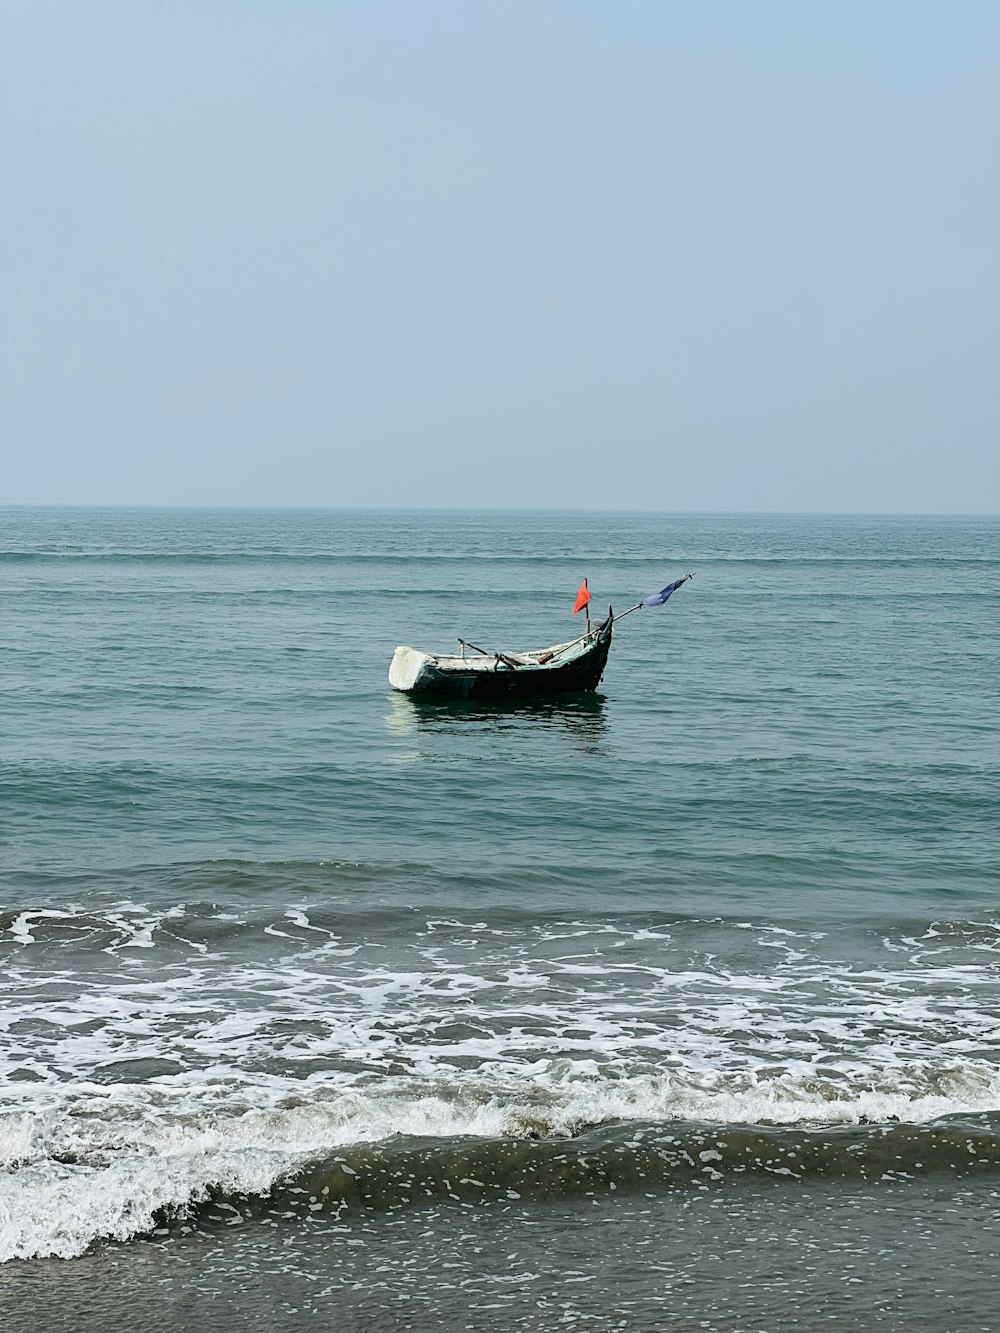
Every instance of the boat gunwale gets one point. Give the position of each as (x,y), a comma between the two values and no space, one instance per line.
(526,658)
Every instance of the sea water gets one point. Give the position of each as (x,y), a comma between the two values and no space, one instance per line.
(673,1006)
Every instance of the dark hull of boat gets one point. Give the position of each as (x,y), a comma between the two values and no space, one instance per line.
(512,683)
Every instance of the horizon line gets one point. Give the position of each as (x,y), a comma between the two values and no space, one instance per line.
(207,507)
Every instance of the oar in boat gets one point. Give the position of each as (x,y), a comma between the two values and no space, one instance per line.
(501,657)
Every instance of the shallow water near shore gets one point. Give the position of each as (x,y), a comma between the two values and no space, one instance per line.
(919,1256)
(677,1002)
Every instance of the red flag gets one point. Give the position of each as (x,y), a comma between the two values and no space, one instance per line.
(582,597)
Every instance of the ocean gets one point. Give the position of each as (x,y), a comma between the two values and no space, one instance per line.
(670,1007)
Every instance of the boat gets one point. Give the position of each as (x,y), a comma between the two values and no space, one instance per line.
(474,673)
(575,666)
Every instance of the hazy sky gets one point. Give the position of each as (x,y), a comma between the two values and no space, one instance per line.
(710,254)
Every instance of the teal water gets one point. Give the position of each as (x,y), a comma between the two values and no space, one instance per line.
(281,945)
(809,727)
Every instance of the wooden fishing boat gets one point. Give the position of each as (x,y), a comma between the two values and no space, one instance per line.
(564,668)
(476,674)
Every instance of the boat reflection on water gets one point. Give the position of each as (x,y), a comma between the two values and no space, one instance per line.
(582,717)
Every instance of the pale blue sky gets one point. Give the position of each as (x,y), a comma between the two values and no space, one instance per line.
(709,255)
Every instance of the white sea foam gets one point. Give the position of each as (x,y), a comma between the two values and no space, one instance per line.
(104,1164)
(135,1084)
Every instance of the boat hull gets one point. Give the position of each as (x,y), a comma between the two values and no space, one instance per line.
(572,668)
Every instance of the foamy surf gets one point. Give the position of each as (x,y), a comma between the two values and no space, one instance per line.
(160,1059)
(113,1166)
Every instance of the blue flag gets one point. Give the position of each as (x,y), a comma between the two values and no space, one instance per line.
(658,598)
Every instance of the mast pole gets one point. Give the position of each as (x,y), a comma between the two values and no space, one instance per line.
(623,614)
